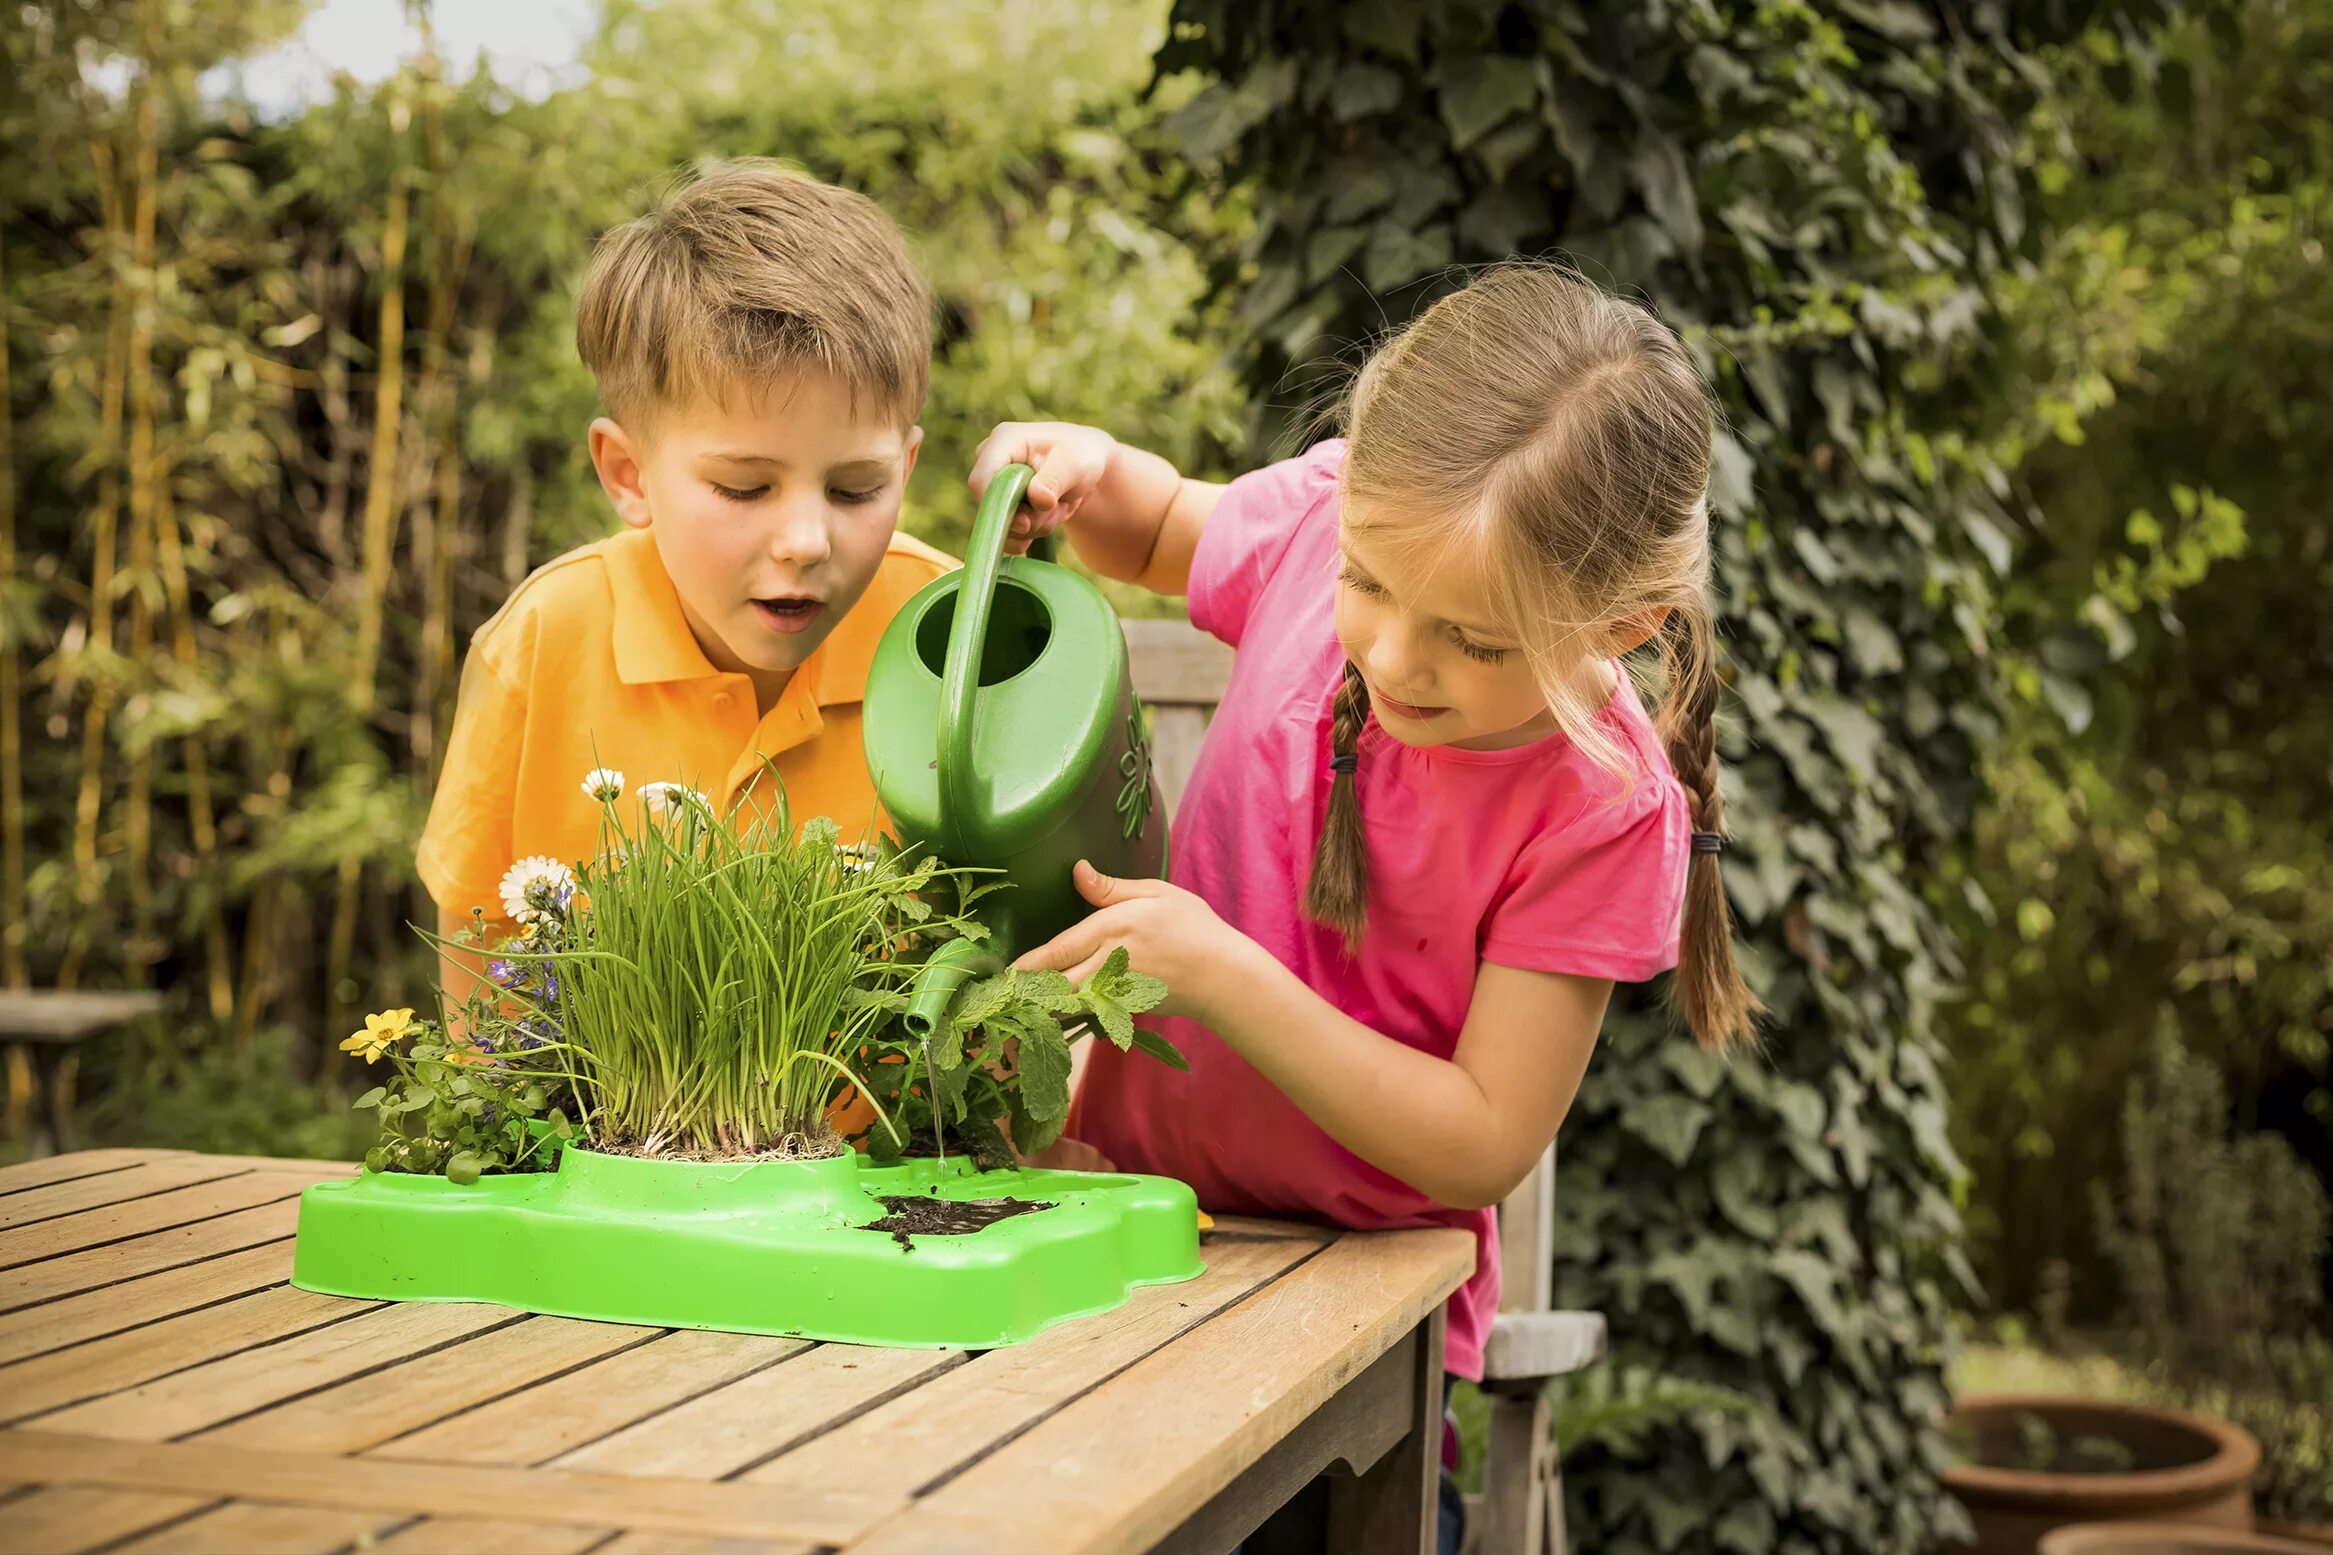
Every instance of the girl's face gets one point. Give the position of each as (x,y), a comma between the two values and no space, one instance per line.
(1439,672)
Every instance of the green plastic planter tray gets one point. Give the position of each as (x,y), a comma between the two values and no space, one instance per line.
(767,1247)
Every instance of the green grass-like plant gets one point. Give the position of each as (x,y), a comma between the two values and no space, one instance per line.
(712,977)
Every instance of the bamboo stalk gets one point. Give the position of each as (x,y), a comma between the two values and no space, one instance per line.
(88,799)
(13,927)
(257,987)
(432,709)
(201,820)
(12,902)
(380,518)
(138,826)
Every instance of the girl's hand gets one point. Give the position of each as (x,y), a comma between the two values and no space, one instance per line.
(1070,462)
(1168,932)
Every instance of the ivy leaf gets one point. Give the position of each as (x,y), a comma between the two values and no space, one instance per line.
(1670,1124)
(1354,192)
(1397,254)
(1361,90)
(1807,1274)
(1692,1274)
(1660,172)
(1388,26)
(371,1098)
(1477,91)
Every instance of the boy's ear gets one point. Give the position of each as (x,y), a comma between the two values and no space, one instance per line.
(616,455)
(1632,632)
(914,447)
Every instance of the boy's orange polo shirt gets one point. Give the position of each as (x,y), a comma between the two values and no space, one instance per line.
(591,664)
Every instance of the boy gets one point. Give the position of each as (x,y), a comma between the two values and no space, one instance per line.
(762,344)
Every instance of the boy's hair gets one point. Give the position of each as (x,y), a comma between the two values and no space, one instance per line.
(748,274)
(1562,436)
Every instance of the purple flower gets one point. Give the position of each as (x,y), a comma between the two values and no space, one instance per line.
(535,1033)
(504,973)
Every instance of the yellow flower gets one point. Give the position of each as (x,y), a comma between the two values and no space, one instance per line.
(382,1032)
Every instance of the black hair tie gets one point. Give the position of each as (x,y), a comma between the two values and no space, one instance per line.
(1709,842)
(1345,765)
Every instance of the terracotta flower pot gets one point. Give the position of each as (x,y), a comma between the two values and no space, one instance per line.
(2188,1470)
(2159,1539)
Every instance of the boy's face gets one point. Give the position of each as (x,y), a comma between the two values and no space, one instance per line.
(770,512)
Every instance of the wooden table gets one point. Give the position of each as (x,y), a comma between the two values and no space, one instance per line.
(163,1388)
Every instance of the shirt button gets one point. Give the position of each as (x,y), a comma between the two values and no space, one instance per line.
(722,699)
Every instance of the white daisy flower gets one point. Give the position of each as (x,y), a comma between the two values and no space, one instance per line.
(661,798)
(603,784)
(857,858)
(532,881)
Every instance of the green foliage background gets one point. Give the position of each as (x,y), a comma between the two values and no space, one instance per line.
(2154,857)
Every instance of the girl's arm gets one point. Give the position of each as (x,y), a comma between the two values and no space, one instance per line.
(1462,1130)
(1136,518)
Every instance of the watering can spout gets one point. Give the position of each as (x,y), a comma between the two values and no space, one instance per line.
(934,988)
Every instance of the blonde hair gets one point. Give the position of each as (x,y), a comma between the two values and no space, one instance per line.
(746,275)
(1564,435)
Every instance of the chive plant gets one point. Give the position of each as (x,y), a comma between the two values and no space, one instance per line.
(712,979)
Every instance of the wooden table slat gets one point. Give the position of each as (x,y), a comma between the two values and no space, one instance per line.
(159,1212)
(261,1528)
(1192,1417)
(30,1331)
(645,1542)
(127,1360)
(234,1385)
(754,1418)
(725,1509)
(86,1193)
(68,1168)
(71,1519)
(99,1267)
(370,1409)
(595,1401)
(851,1478)
(490,1536)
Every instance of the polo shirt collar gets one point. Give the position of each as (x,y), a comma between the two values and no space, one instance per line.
(653,642)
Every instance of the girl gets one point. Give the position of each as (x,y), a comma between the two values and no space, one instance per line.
(1432,823)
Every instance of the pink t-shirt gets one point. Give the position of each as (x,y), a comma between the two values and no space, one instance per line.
(1532,857)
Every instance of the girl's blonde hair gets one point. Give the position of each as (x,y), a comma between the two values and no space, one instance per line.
(1563,436)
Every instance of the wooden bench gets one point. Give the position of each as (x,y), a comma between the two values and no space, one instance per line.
(1181,673)
(43,1029)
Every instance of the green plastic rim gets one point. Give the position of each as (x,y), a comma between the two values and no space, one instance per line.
(765,1247)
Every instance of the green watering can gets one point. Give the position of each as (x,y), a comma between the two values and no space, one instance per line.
(1003,733)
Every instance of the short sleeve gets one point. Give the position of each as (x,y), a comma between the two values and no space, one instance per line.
(1601,897)
(1249,532)
(465,846)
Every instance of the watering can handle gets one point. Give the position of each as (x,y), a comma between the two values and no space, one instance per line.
(967,637)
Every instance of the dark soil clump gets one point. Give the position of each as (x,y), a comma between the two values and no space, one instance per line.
(914,1217)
